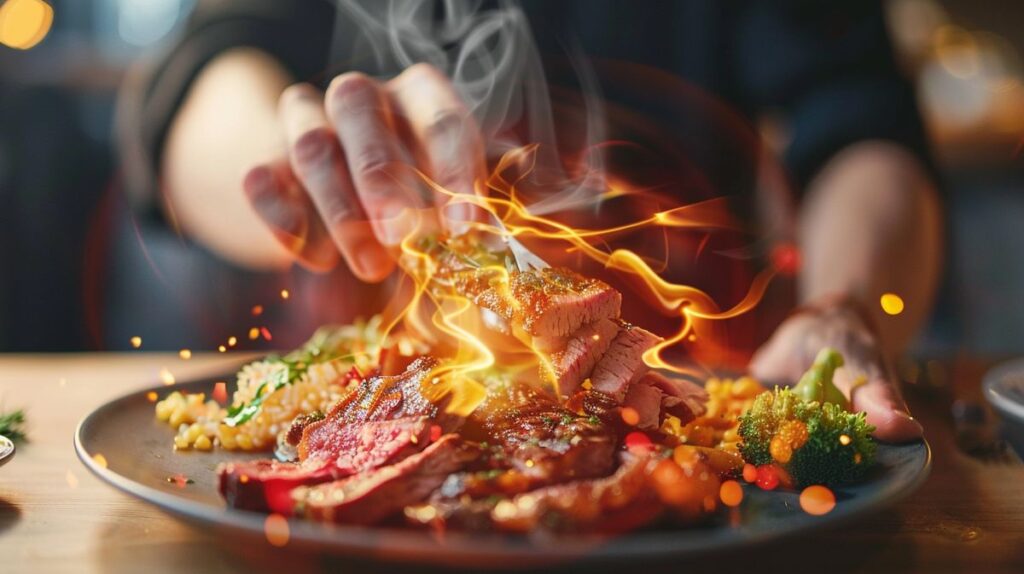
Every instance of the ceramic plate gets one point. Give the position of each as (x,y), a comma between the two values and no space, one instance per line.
(6,450)
(138,459)
(1004,389)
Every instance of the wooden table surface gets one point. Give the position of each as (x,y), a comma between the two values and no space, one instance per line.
(56,517)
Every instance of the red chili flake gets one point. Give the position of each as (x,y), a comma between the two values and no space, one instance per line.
(637,440)
(435,432)
(180,480)
(266,333)
(767,477)
(220,392)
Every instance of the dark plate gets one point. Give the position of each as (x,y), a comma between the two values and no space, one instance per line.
(139,459)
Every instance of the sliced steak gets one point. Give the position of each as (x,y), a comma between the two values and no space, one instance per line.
(552,302)
(372,496)
(623,363)
(379,398)
(681,398)
(617,503)
(543,440)
(570,360)
(333,452)
(646,400)
(355,447)
(266,485)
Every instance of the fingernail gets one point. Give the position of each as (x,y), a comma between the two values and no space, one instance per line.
(368,259)
(458,217)
(258,182)
(395,223)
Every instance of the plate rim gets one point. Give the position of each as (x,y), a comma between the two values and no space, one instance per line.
(413,546)
(7,450)
(993,378)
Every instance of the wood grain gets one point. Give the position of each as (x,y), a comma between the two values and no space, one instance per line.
(56,517)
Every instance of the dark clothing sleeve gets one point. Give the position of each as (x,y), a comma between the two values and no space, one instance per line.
(296,32)
(829,68)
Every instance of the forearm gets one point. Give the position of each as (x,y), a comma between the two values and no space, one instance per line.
(871,224)
(227,124)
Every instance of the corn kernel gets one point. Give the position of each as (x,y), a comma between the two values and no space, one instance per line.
(203,443)
(244,441)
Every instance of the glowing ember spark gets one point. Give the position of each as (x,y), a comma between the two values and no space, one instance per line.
(275,527)
(71,479)
(232,341)
(630,416)
(24,23)
(222,348)
(254,333)
(266,333)
(892,304)
(136,342)
(731,493)
(257,310)
(220,392)
(151,396)
(844,439)
(817,500)
(185,354)
(285,294)
(166,377)
(100,460)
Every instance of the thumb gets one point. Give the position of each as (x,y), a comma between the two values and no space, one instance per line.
(776,363)
(885,410)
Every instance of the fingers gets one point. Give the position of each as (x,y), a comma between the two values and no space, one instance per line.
(276,197)
(446,138)
(319,164)
(387,188)
(885,410)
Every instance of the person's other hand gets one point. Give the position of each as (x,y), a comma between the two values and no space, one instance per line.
(348,186)
(866,378)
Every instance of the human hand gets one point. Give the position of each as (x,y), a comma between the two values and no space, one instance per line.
(348,187)
(865,378)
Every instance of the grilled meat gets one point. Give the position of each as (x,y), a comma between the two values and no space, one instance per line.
(681,398)
(375,495)
(570,360)
(333,451)
(543,440)
(552,302)
(623,363)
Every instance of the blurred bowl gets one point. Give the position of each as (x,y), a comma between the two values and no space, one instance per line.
(6,450)
(1004,390)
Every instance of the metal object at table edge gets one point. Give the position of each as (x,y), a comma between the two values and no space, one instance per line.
(1010,409)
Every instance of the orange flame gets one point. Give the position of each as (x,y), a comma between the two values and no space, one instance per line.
(439,314)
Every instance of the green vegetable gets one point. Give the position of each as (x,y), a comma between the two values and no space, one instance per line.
(327,344)
(838,448)
(12,425)
(817,385)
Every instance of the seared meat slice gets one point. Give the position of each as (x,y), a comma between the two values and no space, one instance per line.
(355,447)
(543,440)
(616,503)
(372,496)
(552,302)
(681,398)
(333,452)
(379,398)
(570,360)
(623,363)
(266,485)
(646,400)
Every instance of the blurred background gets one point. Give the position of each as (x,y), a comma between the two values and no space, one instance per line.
(63,222)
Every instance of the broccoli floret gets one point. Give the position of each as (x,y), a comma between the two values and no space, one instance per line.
(817,385)
(814,442)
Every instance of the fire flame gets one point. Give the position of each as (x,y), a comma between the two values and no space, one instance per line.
(439,314)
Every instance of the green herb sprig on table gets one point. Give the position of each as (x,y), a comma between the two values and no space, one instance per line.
(12,425)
